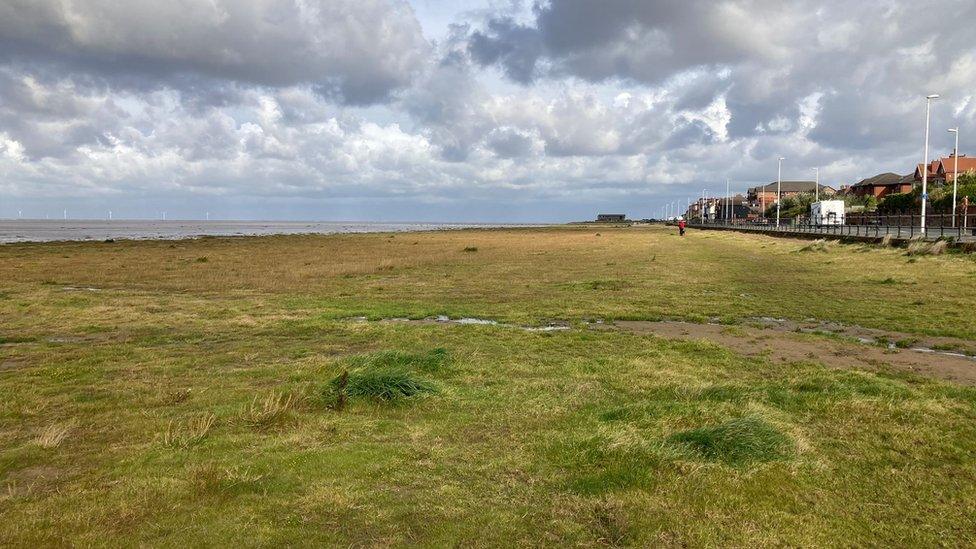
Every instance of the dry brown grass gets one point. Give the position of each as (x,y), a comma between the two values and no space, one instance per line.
(189,432)
(53,435)
(918,246)
(273,409)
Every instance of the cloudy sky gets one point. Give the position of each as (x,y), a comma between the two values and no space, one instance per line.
(462,110)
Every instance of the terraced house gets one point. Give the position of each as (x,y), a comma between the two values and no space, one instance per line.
(766,194)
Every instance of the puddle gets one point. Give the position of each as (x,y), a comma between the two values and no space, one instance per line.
(779,340)
(879,338)
(555,326)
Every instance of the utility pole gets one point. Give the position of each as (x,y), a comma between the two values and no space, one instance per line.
(955,174)
(728,199)
(779,184)
(925,165)
(703,206)
(817,187)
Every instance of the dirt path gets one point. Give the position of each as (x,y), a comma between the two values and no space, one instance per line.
(779,341)
(831,344)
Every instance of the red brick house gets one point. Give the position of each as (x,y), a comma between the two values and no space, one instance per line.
(947,167)
(933,172)
(882,185)
(767,193)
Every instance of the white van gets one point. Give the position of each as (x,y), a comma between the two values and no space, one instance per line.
(827,212)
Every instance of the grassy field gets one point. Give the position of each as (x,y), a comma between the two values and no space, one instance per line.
(192,393)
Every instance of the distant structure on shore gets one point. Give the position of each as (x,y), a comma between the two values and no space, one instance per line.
(611,218)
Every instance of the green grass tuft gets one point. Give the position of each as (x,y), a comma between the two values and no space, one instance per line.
(389,375)
(387,384)
(738,441)
(433,360)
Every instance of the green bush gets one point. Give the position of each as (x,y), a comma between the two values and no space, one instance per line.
(899,202)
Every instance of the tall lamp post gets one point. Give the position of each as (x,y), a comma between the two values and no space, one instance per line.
(704,215)
(728,199)
(762,201)
(817,187)
(925,165)
(955,174)
(779,184)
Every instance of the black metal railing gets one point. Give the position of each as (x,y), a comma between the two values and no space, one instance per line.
(905,225)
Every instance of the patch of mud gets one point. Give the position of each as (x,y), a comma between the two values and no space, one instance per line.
(893,340)
(780,340)
(28,481)
(553,326)
(13,364)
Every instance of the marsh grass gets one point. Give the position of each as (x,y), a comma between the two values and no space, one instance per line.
(917,247)
(434,360)
(211,479)
(186,433)
(53,435)
(174,396)
(736,442)
(383,383)
(559,439)
(386,375)
(820,245)
(273,410)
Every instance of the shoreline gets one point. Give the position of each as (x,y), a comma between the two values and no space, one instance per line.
(138,230)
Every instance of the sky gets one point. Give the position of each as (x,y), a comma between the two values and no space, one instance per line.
(481,111)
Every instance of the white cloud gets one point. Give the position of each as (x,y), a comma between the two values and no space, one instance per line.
(307,104)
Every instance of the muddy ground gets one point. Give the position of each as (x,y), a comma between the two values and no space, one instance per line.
(831,344)
(834,346)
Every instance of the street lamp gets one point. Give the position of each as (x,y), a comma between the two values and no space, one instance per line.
(779,183)
(817,187)
(728,200)
(703,207)
(955,174)
(925,165)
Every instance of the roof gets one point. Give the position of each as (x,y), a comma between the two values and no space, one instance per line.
(883,180)
(948,165)
(791,187)
(933,168)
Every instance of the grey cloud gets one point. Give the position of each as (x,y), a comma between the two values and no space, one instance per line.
(358,51)
(509,142)
(867,56)
(515,47)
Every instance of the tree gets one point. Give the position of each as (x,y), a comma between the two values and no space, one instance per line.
(967,187)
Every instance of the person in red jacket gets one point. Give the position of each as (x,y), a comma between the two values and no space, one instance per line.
(681,226)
